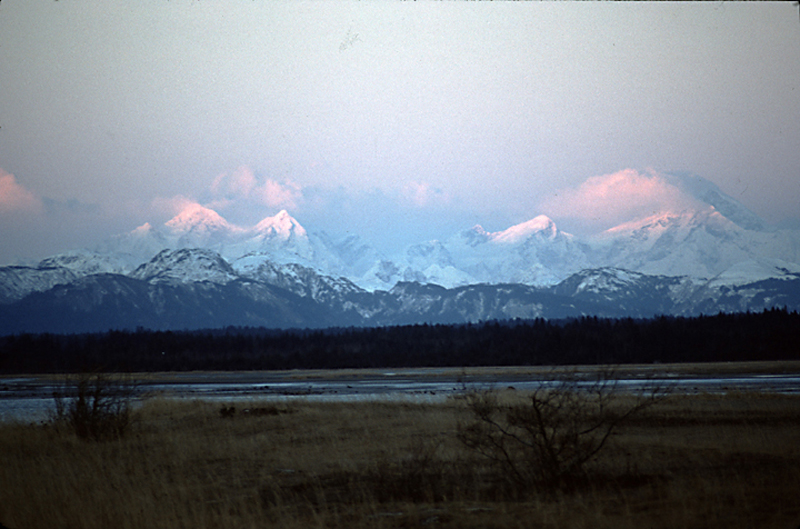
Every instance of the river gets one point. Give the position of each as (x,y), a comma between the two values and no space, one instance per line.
(29,398)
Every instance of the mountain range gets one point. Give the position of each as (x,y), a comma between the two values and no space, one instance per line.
(198,270)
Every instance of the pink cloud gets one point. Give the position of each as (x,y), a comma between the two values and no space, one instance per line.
(607,200)
(172,206)
(243,185)
(421,194)
(239,183)
(15,198)
(285,195)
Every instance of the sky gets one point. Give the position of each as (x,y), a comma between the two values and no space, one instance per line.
(397,121)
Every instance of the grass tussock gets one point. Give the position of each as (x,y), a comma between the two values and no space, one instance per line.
(688,461)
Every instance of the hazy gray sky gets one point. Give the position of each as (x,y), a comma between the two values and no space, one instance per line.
(402,120)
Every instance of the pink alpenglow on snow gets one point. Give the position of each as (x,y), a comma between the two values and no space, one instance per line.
(605,201)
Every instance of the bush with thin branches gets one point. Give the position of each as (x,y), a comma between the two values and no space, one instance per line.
(95,406)
(547,438)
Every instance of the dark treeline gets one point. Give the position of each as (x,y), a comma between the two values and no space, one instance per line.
(770,335)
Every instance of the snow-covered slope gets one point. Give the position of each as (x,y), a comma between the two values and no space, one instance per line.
(630,292)
(755,270)
(186,266)
(16,282)
(534,252)
(699,243)
(750,285)
(708,193)
(303,281)
(87,262)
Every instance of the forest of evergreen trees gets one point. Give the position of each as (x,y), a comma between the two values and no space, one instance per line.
(769,335)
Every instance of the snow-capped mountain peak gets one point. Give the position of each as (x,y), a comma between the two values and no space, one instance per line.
(198,219)
(282,226)
(709,193)
(541,224)
(142,231)
(280,238)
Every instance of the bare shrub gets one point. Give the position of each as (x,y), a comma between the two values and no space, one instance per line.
(95,406)
(547,438)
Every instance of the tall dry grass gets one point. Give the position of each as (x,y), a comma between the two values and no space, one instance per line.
(691,461)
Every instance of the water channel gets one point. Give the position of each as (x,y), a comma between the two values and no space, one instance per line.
(30,398)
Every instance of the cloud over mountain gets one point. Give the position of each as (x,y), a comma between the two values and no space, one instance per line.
(608,200)
(15,198)
(422,194)
(243,186)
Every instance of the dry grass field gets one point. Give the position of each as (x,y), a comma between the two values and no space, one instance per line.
(730,461)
